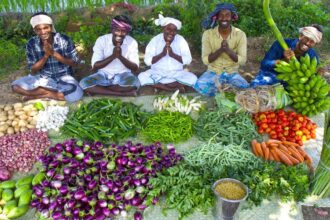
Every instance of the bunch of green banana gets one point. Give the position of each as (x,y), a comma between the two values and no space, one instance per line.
(15,197)
(308,90)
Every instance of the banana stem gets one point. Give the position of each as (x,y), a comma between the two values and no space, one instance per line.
(273,26)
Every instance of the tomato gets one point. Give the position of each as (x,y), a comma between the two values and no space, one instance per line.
(264,125)
(273,136)
(260,131)
(268,130)
(272,126)
(299,142)
(299,133)
(262,116)
(286,128)
(272,115)
(286,133)
(283,139)
(313,135)
(281,112)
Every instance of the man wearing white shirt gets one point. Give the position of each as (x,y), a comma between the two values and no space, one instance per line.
(167,53)
(115,57)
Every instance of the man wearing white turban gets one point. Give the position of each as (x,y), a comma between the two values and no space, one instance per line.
(167,53)
(309,36)
(50,56)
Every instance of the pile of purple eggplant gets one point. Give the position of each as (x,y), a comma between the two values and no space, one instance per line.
(92,181)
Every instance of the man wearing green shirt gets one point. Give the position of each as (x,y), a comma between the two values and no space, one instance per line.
(223,49)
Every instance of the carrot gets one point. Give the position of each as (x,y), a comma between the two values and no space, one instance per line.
(308,160)
(275,155)
(301,151)
(273,141)
(273,145)
(265,150)
(283,148)
(253,145)
(283,157)
(296,154)
(293,160)
(259,150)
(288,143)
(271,157)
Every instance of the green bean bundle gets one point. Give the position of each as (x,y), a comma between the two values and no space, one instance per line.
(212,155)
(227,128)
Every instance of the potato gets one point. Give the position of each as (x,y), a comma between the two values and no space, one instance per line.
(23,117)
(29,119)
(18,113)
(16,128)
(8,107)
(22,123)
(33,122)
(33,113)
(3,127)
(14,123)
(3,118)
(9,122)
(1,134)
(11,117)
(23,129)
(18,105)
(10,130)
(10,112)
(30,126)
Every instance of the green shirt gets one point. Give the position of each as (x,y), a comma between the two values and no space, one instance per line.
(211,41)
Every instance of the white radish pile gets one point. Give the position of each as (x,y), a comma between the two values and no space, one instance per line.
(52,117)
(178,103)
(17,117)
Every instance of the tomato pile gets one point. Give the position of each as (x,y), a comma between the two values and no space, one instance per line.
(285,126)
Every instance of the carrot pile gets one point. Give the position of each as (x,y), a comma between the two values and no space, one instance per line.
(286,152)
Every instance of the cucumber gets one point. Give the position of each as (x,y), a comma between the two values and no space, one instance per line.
(21,189)
(25,180)
(25,198)
(9,184)
(7,195)
(9,206)
(18,211)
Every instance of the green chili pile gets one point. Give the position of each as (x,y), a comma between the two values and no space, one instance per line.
(104,120)
(168,127)
(227,128)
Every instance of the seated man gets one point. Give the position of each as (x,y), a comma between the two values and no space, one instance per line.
(223,49)
(308,37)
(115,57)
(167,53)
(50,56)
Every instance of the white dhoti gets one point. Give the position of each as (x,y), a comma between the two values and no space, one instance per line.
(151,77)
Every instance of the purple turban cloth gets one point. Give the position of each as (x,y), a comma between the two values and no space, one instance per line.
(211,20)
(115,24)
